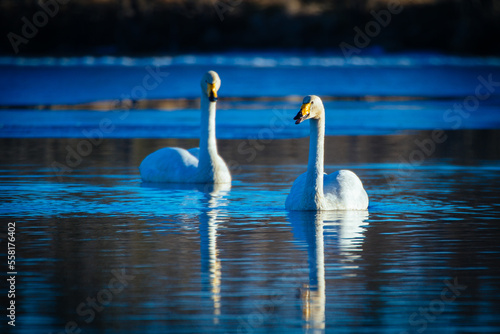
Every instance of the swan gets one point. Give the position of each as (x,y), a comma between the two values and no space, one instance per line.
(197,165)
(314,190)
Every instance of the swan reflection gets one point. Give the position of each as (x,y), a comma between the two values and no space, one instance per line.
(212,198)
(309,228)
(210,263)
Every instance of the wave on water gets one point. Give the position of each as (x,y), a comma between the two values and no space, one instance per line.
(259,60)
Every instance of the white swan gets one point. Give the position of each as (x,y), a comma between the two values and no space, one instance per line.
(197,165)
(314,190)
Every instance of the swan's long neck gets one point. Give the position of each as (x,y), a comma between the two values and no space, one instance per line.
(315,165)
(208,145)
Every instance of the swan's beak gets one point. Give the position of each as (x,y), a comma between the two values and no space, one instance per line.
(303,114)
(211,92)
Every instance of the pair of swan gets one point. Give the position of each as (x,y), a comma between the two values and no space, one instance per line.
(313,190)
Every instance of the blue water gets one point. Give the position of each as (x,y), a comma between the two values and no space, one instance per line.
(28,81)
(239,120)
(101,252)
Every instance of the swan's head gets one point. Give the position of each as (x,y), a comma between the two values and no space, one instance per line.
(210,84)
(312,107)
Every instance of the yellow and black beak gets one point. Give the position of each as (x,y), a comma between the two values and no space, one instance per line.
(211,92)
(303,114)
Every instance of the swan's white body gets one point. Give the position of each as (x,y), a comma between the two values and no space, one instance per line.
(315,190)
(197,165)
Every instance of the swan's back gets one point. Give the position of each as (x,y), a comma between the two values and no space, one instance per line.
(344,191)
(169,164)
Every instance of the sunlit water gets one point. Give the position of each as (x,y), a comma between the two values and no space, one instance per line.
(101,252)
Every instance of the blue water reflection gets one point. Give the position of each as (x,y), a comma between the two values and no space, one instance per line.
(232,260)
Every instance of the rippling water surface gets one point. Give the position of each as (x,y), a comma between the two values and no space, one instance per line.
(204,259)
(101,252)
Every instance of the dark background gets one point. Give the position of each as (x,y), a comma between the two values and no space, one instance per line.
(141,27)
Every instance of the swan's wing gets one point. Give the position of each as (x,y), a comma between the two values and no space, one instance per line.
(169,164)
(344,191)
(294,198)
(195,151)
